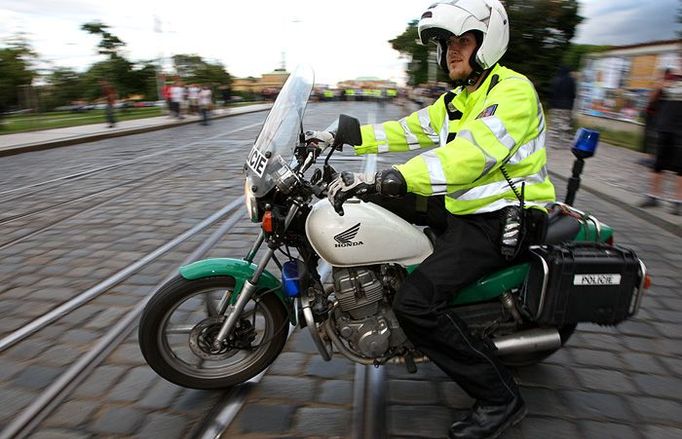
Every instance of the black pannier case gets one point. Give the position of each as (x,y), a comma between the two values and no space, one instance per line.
(583,282)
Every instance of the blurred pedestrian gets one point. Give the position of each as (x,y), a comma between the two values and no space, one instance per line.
(193,98)
(226,94)
(166,92)
(561,108)
(649,140)
(669,145)
(109,94)
(205,98)
(177,98)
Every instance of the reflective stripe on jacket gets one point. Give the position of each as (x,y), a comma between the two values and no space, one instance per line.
(475,133)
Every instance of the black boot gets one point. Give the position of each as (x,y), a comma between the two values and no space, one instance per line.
(489,421)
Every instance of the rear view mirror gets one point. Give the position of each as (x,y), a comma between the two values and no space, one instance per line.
(348,132)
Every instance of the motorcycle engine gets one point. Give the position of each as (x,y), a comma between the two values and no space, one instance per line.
(363,317)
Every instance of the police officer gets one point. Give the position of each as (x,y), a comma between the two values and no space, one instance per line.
(490,125)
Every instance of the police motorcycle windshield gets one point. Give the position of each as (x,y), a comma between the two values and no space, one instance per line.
(272,153)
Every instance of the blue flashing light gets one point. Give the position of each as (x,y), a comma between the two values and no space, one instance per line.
(585,143)
(290,279)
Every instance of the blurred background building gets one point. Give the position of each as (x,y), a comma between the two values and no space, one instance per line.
(273,80)
(367,82)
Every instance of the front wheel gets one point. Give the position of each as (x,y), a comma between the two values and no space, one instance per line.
(180,322)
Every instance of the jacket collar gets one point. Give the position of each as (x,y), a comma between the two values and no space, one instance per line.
(462,96)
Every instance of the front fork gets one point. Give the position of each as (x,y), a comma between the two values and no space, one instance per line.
(222,306)
(233,311)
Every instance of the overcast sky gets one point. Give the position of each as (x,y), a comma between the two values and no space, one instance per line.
(340,39)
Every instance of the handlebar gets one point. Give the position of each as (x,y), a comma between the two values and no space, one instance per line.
(319,182)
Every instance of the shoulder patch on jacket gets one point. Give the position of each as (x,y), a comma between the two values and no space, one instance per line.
(488,111)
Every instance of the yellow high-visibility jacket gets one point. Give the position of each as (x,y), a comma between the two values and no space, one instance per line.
(475,133)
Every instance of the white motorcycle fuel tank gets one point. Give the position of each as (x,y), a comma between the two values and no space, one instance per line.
(366,235)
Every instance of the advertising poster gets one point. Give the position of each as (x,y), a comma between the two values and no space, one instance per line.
(603,91)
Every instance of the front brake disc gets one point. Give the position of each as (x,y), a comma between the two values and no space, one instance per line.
(201,340)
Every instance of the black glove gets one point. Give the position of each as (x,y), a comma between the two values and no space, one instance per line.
(347,185)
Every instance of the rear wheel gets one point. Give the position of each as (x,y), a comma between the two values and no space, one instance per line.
(179,324)
(528,359)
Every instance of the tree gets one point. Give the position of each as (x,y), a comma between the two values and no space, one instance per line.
(193,68)
(574,54)
(15,70)
(64,86)
(540,34)
(143,80)
(408,46)
(109,44)
(116,71)
(128,78)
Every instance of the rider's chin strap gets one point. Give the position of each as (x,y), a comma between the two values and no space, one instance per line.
(473,76)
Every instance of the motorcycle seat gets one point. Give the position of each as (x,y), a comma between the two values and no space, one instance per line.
(561,227)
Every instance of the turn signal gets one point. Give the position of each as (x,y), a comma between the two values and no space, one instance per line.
(647,282)
(267,222)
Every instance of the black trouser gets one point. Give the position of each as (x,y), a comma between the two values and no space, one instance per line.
(669,153)
(467,249)
(111,120)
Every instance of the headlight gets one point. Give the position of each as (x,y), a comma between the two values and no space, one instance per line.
(251,203)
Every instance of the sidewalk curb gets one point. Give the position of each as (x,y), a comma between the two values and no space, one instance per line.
(29,147)
(675,229)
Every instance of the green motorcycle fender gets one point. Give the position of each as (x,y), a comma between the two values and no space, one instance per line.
(493,285)
(241,271)
(489,287)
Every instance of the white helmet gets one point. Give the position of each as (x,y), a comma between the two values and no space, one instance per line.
(442,20)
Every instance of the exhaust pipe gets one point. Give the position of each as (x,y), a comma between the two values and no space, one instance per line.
(532,340)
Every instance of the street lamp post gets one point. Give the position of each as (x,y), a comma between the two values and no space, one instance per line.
(159,64)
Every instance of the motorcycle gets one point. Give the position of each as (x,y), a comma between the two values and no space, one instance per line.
(222,321)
